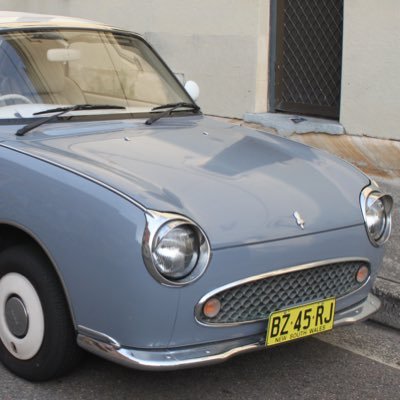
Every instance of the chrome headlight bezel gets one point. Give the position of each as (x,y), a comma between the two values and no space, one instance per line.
(369,197)
(158,225)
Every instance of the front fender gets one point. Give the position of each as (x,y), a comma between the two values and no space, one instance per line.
(93,237)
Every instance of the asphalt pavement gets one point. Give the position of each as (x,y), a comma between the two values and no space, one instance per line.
(355,362)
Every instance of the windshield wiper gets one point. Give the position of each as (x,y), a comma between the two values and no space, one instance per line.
(63,110)
(170,107)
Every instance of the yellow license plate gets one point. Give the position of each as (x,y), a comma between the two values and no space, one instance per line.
(298,322)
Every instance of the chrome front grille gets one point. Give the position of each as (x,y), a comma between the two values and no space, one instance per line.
(257,299)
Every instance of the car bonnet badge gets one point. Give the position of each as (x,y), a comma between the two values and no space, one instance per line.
(300,221)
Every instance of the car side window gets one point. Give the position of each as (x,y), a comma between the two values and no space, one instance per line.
(14,78)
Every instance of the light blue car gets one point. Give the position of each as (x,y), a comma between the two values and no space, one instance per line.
(136,228)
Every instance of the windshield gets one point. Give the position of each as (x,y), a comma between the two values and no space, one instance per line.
(43,69)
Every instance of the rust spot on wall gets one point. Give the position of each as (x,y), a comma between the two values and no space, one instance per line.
(373,156)
(377,157)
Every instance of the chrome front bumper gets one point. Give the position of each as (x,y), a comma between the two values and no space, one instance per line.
(211,353)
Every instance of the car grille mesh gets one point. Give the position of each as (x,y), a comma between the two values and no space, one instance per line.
(256,300)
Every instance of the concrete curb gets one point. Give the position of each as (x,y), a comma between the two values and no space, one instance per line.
(286,125)
(389,293)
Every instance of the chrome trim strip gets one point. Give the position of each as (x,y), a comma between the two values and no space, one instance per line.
(172,359)
(98,336)
(206,354)
(359,312)
(78,173)
(199,306)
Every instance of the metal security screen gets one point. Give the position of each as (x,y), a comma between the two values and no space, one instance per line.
(309,56)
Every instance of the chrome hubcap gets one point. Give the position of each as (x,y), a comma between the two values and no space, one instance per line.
(16,317)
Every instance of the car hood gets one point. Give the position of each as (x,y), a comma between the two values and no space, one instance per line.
(240,185)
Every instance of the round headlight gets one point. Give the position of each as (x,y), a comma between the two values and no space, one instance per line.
(376,218)
(377,211)
(175,249)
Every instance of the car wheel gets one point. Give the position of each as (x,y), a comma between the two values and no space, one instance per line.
(37,339)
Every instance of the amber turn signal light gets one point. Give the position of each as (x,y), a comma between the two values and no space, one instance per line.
(211,308)
(362,274)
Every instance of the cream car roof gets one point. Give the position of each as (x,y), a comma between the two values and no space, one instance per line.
(13,19)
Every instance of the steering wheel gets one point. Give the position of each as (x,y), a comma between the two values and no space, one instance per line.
(14,96)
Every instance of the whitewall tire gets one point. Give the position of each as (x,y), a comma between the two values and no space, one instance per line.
(26,344)
(37,337)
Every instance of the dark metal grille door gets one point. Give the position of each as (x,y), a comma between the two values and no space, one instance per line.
(309,56)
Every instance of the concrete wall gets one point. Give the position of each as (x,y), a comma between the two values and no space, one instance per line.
(370,103)
(222,45)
